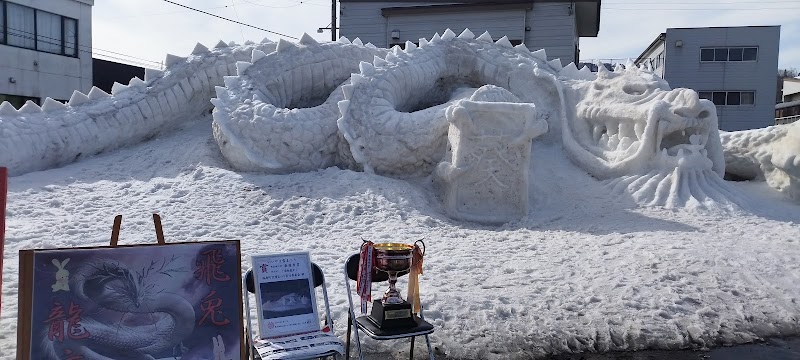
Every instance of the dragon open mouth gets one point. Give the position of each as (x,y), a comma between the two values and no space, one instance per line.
(616,139)
(659,145)
(631,122)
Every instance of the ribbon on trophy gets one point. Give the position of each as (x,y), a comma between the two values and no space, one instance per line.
(364,281)
(413,276)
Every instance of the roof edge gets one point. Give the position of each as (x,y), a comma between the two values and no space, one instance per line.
(659,39)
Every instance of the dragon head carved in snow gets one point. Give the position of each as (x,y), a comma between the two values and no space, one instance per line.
(662,145)
(630,122)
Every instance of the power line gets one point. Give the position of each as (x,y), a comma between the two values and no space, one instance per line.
(272,7)
(233,3)
(234,21)
(27,35)
(164,13)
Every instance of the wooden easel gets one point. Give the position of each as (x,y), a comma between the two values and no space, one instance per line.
(118,224)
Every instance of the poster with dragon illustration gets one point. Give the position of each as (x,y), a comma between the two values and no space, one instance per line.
(179,301)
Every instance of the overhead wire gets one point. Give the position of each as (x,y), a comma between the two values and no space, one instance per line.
(235,12)
(27,35)
(231,20)
(165,13)
(298,3)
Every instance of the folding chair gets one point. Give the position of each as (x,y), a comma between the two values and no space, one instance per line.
(319,280)
(366,325)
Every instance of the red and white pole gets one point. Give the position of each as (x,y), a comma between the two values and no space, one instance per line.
(3,195)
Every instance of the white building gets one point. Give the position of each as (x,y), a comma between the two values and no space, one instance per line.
(45,49)
(791,89)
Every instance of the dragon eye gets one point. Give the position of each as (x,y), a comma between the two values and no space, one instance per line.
(633,89)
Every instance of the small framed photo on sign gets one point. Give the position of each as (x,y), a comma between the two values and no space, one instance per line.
(285,299)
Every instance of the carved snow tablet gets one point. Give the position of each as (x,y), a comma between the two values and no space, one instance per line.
(485,179)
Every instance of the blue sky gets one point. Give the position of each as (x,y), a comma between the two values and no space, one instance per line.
(146,30)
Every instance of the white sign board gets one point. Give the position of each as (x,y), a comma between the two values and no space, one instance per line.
(286,302)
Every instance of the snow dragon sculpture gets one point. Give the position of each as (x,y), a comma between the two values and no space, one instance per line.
(771,154)
(286,107)
(279,114)
(660,145)
(38,138)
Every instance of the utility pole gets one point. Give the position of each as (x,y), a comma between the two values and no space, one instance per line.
(333,20)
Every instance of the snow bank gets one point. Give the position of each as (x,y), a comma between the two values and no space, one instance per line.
(585,270)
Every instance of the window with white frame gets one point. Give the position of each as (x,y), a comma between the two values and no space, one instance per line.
(29,28)
(741,53)
(729,98)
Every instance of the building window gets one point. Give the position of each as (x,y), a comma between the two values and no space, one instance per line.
(729,54)
(70,37)
(29,28)
(48,32)
(750,54)
(729,98)
(21,26)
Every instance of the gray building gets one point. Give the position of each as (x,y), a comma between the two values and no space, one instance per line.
(732,66)
(553,25)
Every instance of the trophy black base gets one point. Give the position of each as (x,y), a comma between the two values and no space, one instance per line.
(392,316)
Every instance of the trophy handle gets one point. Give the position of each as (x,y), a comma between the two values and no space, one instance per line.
(423,245)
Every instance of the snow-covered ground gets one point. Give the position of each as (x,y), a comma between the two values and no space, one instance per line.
(584,271)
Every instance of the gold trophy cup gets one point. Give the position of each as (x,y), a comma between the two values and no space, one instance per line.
(392,311)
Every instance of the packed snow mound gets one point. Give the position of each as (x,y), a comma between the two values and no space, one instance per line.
(586,270)
(294,107)
(771,154)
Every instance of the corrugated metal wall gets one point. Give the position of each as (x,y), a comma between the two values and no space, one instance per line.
(500,23)
(552,25)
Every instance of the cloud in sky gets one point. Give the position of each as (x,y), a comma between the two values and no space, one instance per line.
(149,29)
